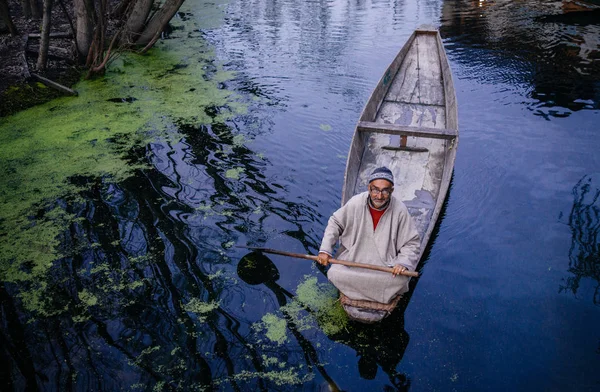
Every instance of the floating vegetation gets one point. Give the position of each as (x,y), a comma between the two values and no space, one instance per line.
(52,153)
(271,361)
(321,298)
(239,140)
(289,376)
(201,309)
(297,314)
(109,249)
(234,173)
(315,306)
(275,327)
(88,298)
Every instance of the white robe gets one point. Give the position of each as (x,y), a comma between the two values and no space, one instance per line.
(394,241)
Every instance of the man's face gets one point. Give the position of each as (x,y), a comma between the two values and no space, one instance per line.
(380,192)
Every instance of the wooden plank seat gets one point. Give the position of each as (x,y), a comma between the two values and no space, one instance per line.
(394,129)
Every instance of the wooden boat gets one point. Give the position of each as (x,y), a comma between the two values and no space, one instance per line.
(410,125)
(580,5)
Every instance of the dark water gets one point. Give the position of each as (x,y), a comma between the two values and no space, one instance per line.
(509,297)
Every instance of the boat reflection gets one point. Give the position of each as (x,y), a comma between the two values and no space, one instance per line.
(380,345)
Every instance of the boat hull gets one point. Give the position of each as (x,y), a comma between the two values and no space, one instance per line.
(410,125)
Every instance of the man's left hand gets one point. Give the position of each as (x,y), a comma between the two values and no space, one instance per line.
(398,269)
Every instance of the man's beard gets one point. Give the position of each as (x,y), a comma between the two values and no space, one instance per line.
(378,205)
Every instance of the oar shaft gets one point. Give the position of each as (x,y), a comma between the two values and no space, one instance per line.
(332,261)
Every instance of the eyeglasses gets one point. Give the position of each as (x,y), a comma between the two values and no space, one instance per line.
(376,191)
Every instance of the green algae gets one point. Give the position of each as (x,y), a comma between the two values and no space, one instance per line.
(42,150)
(315,306)
(270,361)
(239,140)
(30,93)
(276,328)
(200,308)
(289,376)
(143,356)
(325,127)
(234,173)
(228,245)
(217,275)
(88,298)
(321,298)
(296,312)
(81,318)
(36,298)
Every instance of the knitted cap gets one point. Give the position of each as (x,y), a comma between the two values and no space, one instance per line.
(381,173)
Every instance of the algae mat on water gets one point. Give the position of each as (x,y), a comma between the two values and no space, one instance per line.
(140,99)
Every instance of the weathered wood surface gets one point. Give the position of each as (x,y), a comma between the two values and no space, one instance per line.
(393,129)
(421,75)
(415,97)
(52,35)
(53,84)
(53,51)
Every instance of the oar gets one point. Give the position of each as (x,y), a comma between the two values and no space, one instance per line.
(332,260)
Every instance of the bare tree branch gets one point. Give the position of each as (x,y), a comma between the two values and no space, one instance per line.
(5,13)
(45,37)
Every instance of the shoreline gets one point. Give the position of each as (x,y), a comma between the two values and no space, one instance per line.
(19,90)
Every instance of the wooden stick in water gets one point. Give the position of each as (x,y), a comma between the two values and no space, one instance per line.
(332,260)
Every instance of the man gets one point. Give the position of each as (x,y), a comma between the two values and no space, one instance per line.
(372,228)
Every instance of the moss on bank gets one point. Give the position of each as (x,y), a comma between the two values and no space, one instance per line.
(26,94)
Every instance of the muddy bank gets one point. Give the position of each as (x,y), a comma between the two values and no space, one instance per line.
(18,56)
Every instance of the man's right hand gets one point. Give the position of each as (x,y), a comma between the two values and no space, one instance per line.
(323,259)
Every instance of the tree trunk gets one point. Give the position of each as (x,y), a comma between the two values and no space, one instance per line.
(45,38)
(158,22)
(97,47)
(135,22)
(5,12)
(66,13)
(121,8)
(26,8)
(36,12)
(85,28)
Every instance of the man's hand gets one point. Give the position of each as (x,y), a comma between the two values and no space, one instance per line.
(323,259)
(398,269)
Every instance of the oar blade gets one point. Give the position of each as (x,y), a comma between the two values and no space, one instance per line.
(255,268)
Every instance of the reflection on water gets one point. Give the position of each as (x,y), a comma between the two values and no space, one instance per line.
(584,221)
(379,347)
(530,46)
(149,285)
